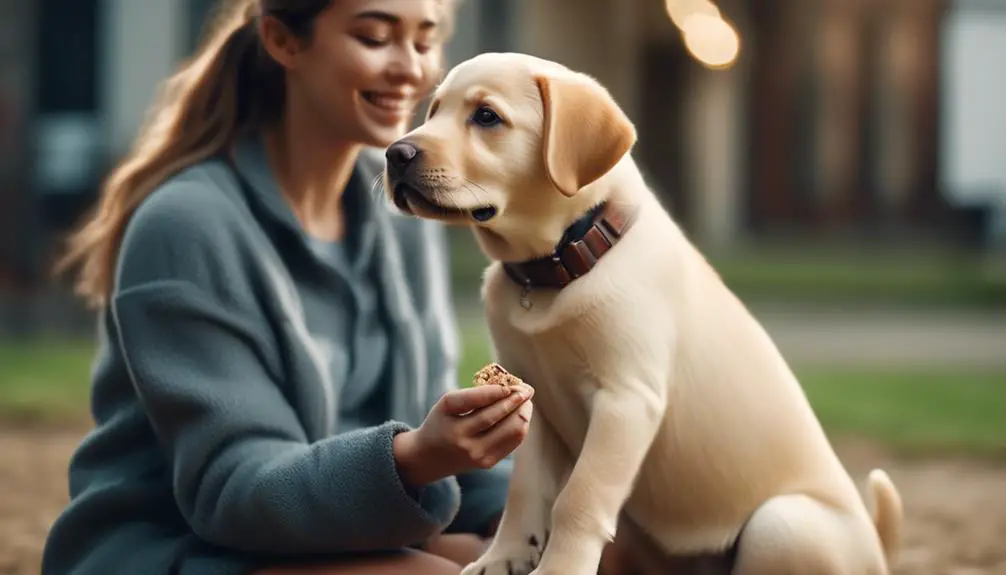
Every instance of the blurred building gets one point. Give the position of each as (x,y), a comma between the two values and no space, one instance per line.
(829,119)
(973,118)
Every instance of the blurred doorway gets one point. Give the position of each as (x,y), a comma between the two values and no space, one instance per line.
(66,127)
(662,152)
(17,210)
(844,114)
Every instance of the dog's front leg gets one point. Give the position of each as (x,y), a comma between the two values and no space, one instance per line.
(623,424)
(541,463)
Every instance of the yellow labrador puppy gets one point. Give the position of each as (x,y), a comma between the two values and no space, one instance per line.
(660,401)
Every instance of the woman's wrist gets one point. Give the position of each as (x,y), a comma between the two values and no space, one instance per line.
(413,467)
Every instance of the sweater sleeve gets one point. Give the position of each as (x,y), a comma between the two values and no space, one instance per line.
(206,370)
(483,491)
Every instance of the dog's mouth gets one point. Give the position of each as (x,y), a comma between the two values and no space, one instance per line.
(412,201)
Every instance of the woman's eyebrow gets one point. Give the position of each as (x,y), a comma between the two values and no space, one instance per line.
(390,18)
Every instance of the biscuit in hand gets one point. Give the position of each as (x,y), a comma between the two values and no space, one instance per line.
(495,374)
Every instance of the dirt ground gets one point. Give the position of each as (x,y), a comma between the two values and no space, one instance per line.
(955,510)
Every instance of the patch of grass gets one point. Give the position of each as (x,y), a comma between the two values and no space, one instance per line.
(908,410)
(914,411)
(887,279)
(821,275)
(476,353)
(45,381)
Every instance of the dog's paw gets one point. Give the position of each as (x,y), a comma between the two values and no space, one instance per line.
(518,558)
(570,569)
(540,571)
(497,567)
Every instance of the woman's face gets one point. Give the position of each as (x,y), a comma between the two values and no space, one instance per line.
(367,66)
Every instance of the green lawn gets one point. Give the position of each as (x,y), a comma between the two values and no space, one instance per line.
(913,411)
(951,280)
(825,274)
(47,382)
(910,410)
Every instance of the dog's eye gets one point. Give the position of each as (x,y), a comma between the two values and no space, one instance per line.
(485,116)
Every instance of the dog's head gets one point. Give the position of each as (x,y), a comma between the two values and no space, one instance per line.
(508,143)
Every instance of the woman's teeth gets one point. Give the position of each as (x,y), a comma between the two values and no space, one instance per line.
(390,103)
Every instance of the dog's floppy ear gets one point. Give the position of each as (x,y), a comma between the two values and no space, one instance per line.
(585,132)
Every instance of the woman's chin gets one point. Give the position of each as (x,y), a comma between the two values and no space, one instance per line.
(383,136)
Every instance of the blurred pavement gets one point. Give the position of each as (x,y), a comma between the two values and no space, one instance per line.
(872,336)
(878,337)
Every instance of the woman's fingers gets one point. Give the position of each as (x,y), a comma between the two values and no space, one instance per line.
(487,417)
(502,439)
(525,411)
(494,421)
(462,401)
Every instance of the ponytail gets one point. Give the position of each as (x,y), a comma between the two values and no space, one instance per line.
(230,87)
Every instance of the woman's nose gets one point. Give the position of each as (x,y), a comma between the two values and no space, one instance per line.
(408,66)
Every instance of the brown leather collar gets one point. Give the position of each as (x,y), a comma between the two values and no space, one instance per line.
(573,259)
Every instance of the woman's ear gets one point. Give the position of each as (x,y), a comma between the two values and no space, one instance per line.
(279,42)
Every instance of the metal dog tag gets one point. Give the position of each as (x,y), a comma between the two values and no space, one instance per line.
(525,296)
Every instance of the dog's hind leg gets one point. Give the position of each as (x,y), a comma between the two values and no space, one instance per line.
(799,535)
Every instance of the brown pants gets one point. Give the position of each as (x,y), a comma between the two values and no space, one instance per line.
(445,555)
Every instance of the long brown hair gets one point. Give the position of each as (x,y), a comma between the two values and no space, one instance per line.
(229,87)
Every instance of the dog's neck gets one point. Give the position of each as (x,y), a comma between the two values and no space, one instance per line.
(583,245)
(549,233)
(550,230)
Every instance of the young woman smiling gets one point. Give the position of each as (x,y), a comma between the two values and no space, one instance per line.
(275,386)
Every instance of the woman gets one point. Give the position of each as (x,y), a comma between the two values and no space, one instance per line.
(275,385)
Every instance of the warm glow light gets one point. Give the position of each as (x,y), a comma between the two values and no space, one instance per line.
(680,10)
(710,39)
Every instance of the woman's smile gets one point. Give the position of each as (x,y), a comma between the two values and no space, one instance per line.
(389,107)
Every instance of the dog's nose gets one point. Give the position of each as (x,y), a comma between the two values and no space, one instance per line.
(399,155)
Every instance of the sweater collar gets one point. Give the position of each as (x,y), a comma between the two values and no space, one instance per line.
(252,164)
(251,161)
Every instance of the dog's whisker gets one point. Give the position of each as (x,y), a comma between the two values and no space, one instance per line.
(454,203)
(467,181)
(472,192)
(377,183)
(377,188)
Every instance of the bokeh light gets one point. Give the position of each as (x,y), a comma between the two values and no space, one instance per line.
(708,37)
(711,40)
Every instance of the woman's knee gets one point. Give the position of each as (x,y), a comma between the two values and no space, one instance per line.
(406,562)
(460,548)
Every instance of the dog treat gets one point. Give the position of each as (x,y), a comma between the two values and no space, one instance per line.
(494,374)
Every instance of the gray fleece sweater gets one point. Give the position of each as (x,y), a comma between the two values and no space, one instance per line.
(249,383)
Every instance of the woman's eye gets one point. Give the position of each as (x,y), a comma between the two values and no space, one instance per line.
(485,116)
(371,42)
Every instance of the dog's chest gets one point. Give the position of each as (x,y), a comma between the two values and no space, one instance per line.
(565,386)
(557,345)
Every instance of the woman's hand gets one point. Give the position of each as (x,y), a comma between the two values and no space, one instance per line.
(466,429)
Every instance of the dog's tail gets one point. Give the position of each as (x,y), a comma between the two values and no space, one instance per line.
(887,511)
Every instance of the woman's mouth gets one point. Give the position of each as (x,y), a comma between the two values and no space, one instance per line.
(394,107)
